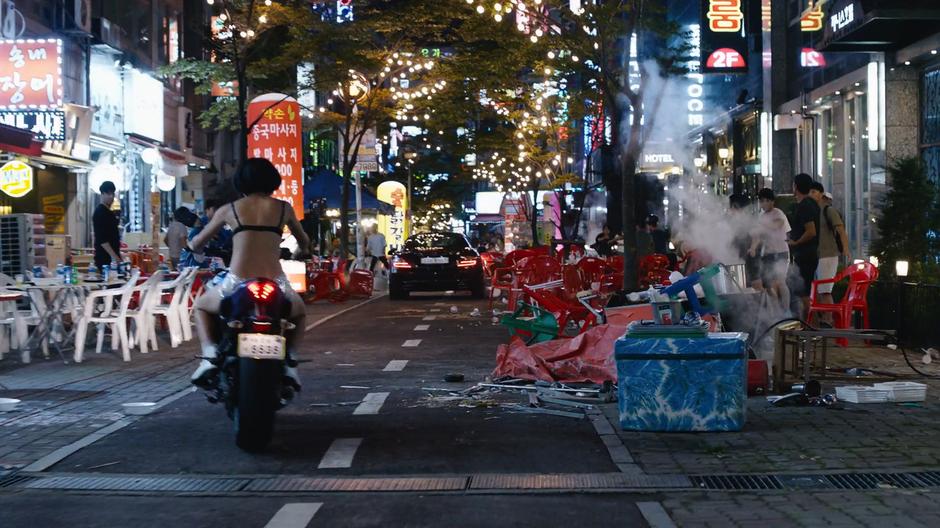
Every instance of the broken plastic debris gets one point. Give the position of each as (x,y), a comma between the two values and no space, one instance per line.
(475,312)
(453,309)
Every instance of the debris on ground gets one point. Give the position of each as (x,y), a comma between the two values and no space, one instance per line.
(336,404)
(475,312)
(454,309)
(455,377)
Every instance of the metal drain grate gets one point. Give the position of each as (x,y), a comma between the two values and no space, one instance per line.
(575,481)
(114,483)
(327,484)
(736,482)
(842,481)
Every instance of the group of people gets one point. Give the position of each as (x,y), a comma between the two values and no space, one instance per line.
(813,242)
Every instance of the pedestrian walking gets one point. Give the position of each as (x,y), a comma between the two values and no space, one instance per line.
(804,240)
(660,237)
(106,228)
(770,244)
(833,242)
(375,248)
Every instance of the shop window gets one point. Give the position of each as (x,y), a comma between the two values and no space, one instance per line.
(932,163)
(931,110)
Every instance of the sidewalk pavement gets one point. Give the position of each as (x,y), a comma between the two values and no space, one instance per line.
(62,404)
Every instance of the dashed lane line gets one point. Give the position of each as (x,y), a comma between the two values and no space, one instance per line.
(294,515)
(422,328)
(340,454)
(434,310)
(371,403)
(411,343)
(429,318)
(655,515)
(395,365)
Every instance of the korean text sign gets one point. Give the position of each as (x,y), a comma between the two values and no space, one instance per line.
(30,74)
(276,136)
(393,225)
(724,36)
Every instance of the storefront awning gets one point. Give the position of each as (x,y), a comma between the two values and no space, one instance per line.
(173,163)
(74,164)
(20,141)
(878,25)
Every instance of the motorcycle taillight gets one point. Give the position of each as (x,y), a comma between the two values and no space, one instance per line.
(262,291)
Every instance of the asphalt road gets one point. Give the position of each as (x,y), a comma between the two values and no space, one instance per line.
(386,354)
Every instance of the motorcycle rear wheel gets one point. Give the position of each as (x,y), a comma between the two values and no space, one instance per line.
(258,398)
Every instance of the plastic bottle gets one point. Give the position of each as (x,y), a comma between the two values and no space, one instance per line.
(113,274)
(105,272)
(67,274)
(60,272)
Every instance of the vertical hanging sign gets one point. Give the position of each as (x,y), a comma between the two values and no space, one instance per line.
(393,225)
(724,36)
(276,136)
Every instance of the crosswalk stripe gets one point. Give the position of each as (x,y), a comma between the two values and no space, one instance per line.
(422,328)
(395,365)
(411,343)
(340,454)
(655,515)
(294,515)
(371,403)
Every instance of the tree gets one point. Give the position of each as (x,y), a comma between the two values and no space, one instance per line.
(617,47)
(909,226)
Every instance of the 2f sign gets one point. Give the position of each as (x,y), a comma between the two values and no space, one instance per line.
(725,59)
(725,16)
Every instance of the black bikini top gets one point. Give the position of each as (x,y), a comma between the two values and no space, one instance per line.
(277,230)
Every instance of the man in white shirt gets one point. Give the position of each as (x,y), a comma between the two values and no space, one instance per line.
(770,243)
(375,247)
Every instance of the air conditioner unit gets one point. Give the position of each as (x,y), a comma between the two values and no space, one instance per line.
(81,14)
(106,32)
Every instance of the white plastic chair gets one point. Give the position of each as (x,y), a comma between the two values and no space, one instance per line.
(148,296)
(106,307)
(186,304)
(171,310)
(19,322)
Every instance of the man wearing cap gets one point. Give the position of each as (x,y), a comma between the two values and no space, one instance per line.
(106,228)
(833,241)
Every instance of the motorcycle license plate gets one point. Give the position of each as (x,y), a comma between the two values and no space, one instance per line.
(261,346)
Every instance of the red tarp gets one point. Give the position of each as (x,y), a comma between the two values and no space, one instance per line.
(588,357)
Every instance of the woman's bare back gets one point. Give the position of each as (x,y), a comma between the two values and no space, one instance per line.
(256,253)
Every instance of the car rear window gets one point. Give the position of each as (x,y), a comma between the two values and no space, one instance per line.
(436,241)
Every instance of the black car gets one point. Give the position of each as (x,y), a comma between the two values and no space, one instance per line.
(436,262)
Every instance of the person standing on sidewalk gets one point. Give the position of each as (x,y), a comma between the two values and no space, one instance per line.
(770,244)
(804,240)
(375,247)
(833,241)
(176,235)
(106,228)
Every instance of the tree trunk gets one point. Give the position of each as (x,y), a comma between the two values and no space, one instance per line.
(344,209)
(629,156)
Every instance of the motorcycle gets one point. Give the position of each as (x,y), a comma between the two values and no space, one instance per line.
(251,360)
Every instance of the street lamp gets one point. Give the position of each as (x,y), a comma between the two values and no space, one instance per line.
(353,91)
(901,268)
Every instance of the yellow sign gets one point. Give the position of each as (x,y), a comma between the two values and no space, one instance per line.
(393,225)
(16,178)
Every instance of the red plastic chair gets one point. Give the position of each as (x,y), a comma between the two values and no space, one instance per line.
(535,270)
(564,305)
(653,269)
(502,277)
(593,270)
(490,261)
(325,283)
(360,284)
(860,277)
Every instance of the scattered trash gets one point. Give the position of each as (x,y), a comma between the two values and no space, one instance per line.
(858,372)
(105,465)
(345,365)
(504,300)
(454,378)
(353,387)
(862,394)
(453,309)
(475,312)
(904,391)
(327,353)
(495,320)
(435,389)
(497,312)
(542,410)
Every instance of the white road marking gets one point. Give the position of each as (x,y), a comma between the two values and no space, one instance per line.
(395,365)
(429,318)
(422,328)
(411,343)
(340,454)
(371,403)
(315,324)
(655,515)
(434,310)
(294,515)
(345,364)
(353,387)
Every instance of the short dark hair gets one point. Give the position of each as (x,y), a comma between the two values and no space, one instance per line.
(738,201)
(816,186)
(766,194)
(803,182)
(257,175)
(107,188)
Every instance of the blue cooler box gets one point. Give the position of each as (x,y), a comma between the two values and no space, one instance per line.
(682,383)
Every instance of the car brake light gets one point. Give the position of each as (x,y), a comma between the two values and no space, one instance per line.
(468,262)
(402,264)
(261,291)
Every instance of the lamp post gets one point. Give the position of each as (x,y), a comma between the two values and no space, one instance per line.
(355,89)
(410,157)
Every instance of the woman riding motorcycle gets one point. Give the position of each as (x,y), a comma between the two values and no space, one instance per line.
(258,222)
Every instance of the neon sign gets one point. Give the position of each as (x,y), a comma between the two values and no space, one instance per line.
(725,16)
(725,58)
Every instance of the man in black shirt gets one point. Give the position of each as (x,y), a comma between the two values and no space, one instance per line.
(804,239)
(107,232)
